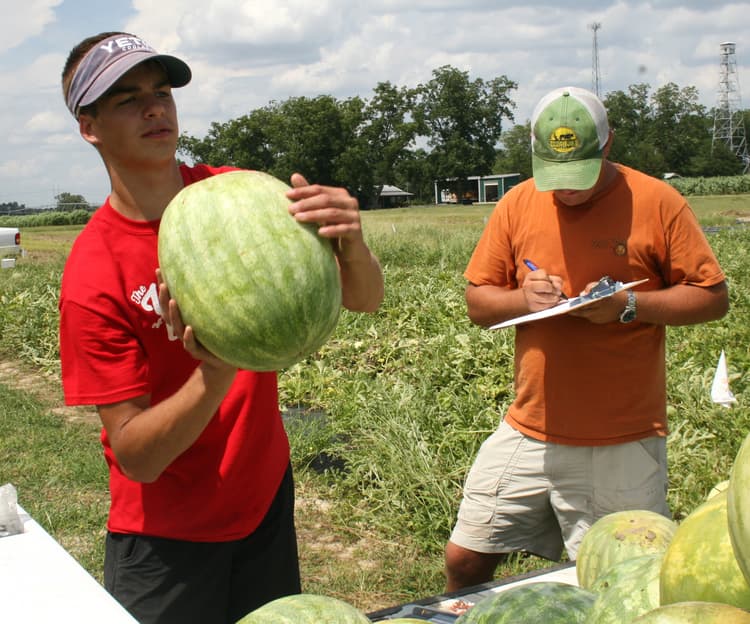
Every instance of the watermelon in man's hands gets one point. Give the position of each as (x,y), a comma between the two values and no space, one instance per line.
(260,290)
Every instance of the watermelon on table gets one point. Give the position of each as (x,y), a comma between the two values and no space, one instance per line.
(738,507)
(306,609)
(695,612)
(627,589)
(260,290)
(549,602)
(618,536)
(700,564)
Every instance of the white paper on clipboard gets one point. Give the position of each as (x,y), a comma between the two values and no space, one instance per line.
(566,306)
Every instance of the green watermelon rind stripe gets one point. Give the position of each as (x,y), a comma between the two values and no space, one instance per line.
(626,590)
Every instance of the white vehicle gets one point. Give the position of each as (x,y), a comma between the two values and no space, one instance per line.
(10,242)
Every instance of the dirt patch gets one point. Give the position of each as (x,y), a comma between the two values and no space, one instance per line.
(47,389)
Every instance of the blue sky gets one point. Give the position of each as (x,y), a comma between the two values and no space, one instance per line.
(245,53)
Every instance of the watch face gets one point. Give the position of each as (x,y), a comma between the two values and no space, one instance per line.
(628,314)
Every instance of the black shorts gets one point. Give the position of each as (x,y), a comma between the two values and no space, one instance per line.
(163,581)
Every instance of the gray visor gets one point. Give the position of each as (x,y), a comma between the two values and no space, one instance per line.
(108,60)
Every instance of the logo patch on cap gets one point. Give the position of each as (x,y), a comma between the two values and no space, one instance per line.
(563,140)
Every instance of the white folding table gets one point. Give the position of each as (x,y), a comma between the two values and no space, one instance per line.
(41,582)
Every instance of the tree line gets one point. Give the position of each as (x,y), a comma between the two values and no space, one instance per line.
(447,127)
(450,127)
(64,202)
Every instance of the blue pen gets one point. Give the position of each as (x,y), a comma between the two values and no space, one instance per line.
(534,267)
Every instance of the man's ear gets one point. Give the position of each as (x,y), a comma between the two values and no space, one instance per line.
(87,129)
(608,144)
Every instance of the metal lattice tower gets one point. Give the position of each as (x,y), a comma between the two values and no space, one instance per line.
(596,79)
(729,126)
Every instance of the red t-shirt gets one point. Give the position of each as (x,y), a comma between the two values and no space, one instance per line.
(114,346)
(577,382)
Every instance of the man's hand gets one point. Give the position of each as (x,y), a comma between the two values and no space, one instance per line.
(604,310)
(541,290)
(337,214)
(333,209)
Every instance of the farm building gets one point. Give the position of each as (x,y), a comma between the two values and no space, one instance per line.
(480,189)
(392,196)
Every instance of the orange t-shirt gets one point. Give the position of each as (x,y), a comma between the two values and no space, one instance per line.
(578,382)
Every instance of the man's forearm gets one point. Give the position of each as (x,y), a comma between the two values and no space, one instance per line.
(146,439)
(682,304)
(487,305)
(362,287)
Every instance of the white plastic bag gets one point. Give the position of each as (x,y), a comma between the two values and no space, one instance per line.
(10,521)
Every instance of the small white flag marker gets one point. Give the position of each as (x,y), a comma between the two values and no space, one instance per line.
(720,392)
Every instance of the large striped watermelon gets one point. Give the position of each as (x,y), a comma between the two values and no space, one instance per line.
(549,602)
(260,290)
(306,609)
(699,563)
(618,536)
(738,507)
(626,590)
(695,612)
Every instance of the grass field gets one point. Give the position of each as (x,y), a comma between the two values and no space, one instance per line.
(407,395)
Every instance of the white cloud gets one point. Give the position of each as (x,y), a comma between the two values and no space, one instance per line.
(46,122)
(22,20)
(246,53)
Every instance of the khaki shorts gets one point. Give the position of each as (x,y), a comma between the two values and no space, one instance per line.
(538,497)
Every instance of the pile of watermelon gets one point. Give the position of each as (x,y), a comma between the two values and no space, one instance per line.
(640,567)
(633,567)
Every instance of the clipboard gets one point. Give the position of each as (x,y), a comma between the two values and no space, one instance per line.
(606,287)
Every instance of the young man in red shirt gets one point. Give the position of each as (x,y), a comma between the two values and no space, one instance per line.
(201,523)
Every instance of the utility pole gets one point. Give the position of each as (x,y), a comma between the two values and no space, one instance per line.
(596,79)
(729,125)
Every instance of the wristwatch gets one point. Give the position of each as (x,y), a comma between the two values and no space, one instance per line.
(628,314)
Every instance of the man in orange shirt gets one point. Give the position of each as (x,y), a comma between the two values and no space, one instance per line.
(586,433)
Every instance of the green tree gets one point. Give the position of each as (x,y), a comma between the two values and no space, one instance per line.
(10,208)
(241,142)
(414,175)
(629,116)
(514,155)
(69,201)
(664,131)
(385,133)
(462,121)
(719,160)
(680,127)
(308,135)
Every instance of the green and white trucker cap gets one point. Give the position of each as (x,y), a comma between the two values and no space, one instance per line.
(569,130)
